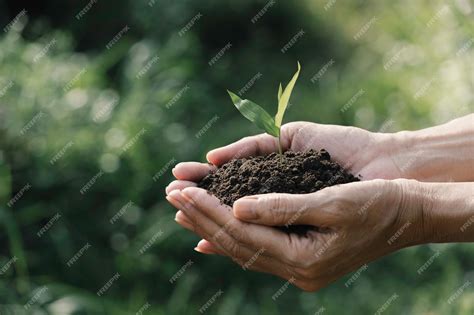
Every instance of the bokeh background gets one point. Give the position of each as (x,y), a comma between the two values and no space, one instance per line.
(78,107)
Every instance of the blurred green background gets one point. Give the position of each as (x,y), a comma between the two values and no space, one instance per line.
(77,106)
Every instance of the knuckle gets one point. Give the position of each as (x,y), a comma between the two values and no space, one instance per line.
(235,229)
(232,247)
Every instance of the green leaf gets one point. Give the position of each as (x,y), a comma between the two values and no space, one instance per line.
(279,92)
(255,114)
(285,97)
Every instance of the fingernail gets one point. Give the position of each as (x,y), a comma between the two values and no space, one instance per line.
(182,218)
(199,250)
(245,209)
(204,250)
(185,224)
(175,199)
(167,191)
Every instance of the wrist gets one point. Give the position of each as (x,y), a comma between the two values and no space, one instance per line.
(448,212)
(411,213)
(443,153)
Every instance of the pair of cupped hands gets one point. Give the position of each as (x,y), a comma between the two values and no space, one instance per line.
(354,223)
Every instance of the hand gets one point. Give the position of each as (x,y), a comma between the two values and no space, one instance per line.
(358,222)
(359,151)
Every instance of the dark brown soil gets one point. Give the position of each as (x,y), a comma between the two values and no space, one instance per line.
(293,172)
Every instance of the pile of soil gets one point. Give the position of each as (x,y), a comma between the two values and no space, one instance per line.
(292,172)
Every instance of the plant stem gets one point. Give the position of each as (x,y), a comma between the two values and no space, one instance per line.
(279,146)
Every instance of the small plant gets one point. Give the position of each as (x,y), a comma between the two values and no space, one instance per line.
(261,118)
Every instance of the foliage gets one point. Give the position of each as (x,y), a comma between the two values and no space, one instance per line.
(103,113)
(260,117)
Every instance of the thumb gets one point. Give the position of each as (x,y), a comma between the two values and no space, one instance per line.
(274,209)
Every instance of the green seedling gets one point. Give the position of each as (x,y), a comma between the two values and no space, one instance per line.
(261,118)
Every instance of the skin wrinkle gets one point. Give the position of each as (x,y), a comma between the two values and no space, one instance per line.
(236,241)
(405,211)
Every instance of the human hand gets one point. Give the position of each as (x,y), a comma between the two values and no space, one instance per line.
(359,151)
(357,223)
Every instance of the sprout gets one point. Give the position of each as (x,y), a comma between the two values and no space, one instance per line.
(256,114)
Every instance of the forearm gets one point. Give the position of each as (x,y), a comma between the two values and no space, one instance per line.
(441,153)
(448,212)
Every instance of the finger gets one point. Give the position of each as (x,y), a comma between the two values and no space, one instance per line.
(284,209)
(206,247)
(259,265)
(240,254)
(192,171)
(182,219)
(279,245)
(179,185)
(261,144)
